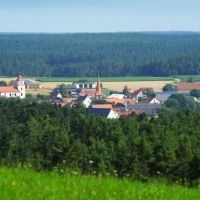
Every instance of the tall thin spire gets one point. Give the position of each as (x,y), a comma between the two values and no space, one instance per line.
(98,93)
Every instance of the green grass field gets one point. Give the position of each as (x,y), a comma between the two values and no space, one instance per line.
(19,184)
(105,79)
(118,79)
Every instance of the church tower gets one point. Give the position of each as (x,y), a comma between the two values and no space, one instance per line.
(21,86)
(98,93)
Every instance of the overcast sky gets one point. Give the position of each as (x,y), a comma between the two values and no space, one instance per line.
(99,15)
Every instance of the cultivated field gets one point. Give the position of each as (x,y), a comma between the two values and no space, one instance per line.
(112,85)
(105,79)
(157,85)
(120,79)
(118,86)
(29,185)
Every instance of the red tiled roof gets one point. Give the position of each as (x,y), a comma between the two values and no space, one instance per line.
(98,92)
(136,92)
(131,101)
(188,86)
(146,89)
(124,113)
(115,101)
(89,92)
(102,106)
(7,89)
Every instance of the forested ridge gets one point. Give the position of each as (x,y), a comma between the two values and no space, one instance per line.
(110,54)
(47,137)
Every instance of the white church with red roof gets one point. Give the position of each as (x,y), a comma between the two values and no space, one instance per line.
(14,91)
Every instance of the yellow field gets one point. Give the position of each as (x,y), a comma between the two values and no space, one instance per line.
(156,85)
(47,87)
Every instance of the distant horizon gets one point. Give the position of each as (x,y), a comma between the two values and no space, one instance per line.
(94,16)
(37,32)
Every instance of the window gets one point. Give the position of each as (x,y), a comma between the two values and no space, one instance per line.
(21,94)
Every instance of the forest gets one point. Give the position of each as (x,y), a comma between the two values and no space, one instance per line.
(109,54)
(44,136)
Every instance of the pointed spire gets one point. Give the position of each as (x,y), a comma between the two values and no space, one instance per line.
(20,78)
(98,93)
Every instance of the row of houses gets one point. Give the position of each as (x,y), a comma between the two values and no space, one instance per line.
(110,106)
(117,105)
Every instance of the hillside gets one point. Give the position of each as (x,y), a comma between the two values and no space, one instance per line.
(110,54)
(26,184)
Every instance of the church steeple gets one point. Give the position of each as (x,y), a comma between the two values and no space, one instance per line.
(98,93)
(21,86)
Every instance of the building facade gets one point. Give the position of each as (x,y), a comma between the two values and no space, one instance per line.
(14,91)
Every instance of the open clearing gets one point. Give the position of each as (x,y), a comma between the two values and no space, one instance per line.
(118,86)
(156,85)
(120,79)
(47,87)
(26,184)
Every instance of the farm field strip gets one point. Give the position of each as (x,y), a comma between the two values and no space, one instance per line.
(118,79)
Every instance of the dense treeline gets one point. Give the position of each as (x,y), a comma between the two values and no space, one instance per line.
(111,54)
(46,137)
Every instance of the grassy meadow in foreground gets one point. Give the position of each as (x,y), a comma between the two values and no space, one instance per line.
(25,184)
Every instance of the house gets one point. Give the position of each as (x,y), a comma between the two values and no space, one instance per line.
(67,101)
(162,97)
(196,100)
(154,101)
(109,106)
(137,94)
(145,90)
(72,90)
(115,101)
(131,101)
(116,96)
(106,112)
(141,93)
(150,109)
(124,113)
(14,91)
(187,87)
(29,84)
(59,96)
(83,100)
(56,96)
(94,93)
(88,92)
(84,85)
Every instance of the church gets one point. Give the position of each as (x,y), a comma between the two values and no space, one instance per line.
(14,91)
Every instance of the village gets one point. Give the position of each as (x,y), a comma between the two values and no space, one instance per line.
(91,95)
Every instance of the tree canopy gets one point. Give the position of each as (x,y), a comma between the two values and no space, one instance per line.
(45,136)
(109,54)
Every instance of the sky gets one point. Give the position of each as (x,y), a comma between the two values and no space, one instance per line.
(58,16)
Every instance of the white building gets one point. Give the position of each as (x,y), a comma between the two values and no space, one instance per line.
(14,91)
(85,85)
(83,100)
(154,101)
(116,96)
(109,113)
